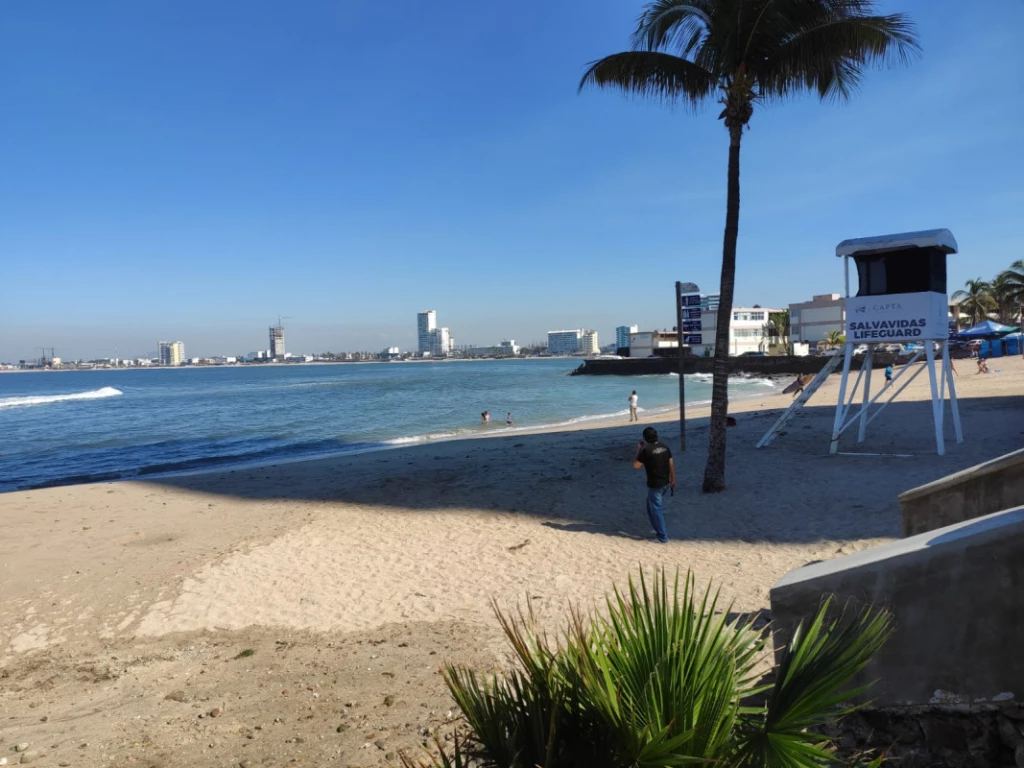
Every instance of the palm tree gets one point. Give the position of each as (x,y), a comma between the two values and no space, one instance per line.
(976,300)
(1003,294)
(780,322)
(835,339)
(747,53)
(1014,281)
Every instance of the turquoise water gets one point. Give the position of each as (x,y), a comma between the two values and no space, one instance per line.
(84,426)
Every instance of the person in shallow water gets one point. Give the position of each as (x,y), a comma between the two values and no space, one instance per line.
(485,417)
(508,419)
(656,458)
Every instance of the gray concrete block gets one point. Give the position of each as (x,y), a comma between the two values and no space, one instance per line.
(957,599)
(976,491)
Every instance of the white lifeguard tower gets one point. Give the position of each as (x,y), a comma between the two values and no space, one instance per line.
(901,298)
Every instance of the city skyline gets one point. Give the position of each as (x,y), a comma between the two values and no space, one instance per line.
(498,194)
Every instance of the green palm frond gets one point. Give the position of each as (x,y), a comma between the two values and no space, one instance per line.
(828,58)
(648,73)
(659,680)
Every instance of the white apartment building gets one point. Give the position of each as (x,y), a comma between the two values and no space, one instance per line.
(588,343)
(647,343)
(812,321)
(171,352)
(749,331)
(564,342)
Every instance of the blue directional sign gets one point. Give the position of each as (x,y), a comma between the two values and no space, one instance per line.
(693,338)
(691,300)
(691,326)
(691,314)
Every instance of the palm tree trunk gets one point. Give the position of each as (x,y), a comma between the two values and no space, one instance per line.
(714,471)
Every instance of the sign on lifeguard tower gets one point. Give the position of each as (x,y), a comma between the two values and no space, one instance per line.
(901,298)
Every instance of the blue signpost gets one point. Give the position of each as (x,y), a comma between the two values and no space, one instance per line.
(687,323)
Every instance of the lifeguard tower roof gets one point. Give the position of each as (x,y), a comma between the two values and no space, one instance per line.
(941,239)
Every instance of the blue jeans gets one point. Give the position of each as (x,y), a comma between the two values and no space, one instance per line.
(654,513)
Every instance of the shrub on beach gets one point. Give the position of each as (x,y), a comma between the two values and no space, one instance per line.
(664,679)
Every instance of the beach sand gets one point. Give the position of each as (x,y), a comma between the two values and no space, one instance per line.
(352,579)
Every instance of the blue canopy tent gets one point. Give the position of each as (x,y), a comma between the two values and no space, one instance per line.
(989,330)
(986,330)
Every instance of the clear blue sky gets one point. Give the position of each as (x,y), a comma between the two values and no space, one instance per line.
(185,169)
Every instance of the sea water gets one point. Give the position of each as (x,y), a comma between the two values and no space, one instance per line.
(66,427)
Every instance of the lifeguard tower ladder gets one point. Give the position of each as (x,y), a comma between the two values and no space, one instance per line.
(901,298)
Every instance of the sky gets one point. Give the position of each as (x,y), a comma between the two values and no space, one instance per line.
(187,170)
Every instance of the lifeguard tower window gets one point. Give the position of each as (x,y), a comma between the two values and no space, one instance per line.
(907,270)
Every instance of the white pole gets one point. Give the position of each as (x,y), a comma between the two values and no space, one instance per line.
(840,406)
(953,404)
(866,366)
(929,351)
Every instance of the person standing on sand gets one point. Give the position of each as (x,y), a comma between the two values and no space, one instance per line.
(632,407)
(656,458)
(888,375)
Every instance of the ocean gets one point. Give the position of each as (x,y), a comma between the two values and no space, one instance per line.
(71,427)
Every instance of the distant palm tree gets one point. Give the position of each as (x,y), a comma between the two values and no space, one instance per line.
(742,55)
(1014,277)
(835,339)
(1004,296)
(780,322)
(976,300)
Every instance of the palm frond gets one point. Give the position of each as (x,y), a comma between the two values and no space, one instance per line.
(812,685)
(829,57)
(648,73)
(677,25)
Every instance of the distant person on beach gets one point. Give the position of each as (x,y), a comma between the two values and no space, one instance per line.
(508,419)
(633,399)
(656,458)
(888,375)
(982,364)
(485,417)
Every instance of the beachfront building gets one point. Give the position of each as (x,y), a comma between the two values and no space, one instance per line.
(433,341)
(653,343)
(749,332)
(426,324)
(277,342)
(171,352)
(588,343)
(622,337)
(564,342)
(812,321)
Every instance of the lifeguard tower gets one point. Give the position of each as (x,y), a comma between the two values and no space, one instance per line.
(901,298)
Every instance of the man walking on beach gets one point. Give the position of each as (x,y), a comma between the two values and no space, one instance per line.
(632,407)
(656,458)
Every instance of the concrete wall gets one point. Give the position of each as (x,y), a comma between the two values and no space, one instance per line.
(775,365)
(957,599)
(978,490)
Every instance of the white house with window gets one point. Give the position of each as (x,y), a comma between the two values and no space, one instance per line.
(750,331)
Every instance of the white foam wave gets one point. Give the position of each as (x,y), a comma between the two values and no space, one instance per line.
(95,394)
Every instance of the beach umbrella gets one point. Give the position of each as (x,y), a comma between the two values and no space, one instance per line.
(987,329)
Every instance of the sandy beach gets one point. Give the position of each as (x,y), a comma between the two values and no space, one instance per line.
(128,610)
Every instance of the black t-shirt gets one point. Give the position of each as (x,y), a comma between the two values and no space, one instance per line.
(655,457)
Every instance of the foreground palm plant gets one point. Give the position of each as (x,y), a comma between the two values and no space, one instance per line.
(664,679)
(746,54)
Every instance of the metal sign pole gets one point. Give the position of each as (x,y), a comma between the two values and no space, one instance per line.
(682,378)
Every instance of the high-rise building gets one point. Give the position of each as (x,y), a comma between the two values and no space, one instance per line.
(564,342)
(426,324)
(622,335)
(588,343)
(277,342)
(171,352)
